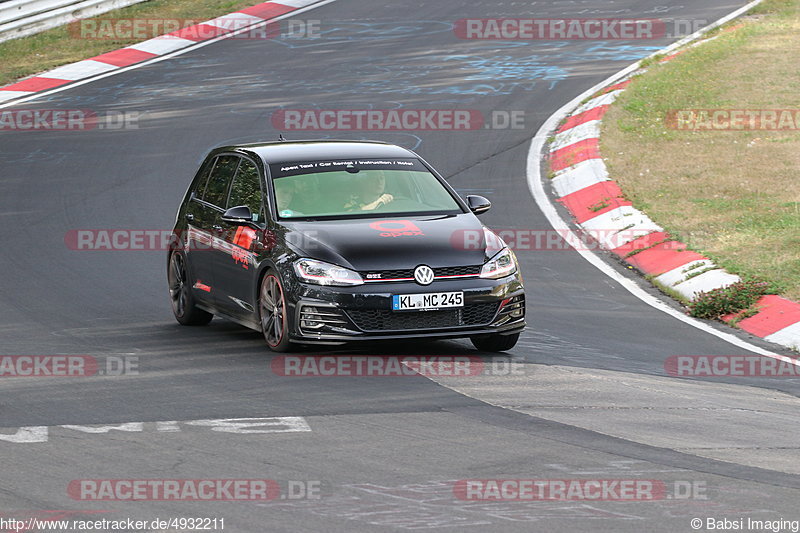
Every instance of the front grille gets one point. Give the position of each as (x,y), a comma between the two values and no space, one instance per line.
(388,274)
(386,320)
(408,273)
(458,271)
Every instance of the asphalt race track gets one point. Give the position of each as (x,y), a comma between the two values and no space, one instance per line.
(590,399)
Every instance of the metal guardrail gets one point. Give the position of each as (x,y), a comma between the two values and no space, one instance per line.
(19,18)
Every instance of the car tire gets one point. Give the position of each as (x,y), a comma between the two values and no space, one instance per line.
(184,306)
(494,343)
(273,313)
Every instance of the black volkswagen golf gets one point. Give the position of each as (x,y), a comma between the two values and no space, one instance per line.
(329,242)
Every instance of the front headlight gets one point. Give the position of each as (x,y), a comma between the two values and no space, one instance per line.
(501,265)
(320,273)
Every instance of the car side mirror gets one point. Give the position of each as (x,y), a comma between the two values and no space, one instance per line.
(239,215)
(478,204)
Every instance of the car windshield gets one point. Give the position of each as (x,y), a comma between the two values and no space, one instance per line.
(358,187)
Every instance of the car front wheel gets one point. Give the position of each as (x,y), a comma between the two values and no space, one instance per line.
(274,316)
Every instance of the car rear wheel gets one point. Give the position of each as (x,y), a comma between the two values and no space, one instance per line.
(274,316)
(180,291)
(494,343)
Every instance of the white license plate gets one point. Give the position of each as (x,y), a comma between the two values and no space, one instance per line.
(433,300)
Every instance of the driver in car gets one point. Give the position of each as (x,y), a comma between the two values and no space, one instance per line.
(369,193)
(285,190)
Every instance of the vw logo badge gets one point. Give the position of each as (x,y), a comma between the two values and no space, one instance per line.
(423,274)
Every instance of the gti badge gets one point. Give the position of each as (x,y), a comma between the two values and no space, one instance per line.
(423,274)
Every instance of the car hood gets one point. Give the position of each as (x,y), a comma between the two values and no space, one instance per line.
(391,243)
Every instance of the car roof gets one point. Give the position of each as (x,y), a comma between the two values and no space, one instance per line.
(291,151)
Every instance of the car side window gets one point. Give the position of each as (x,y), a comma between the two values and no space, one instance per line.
(246,189)
(202,180)
(220,178)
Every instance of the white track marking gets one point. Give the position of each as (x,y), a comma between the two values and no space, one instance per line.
(584,174)
(582,132)
(679,274)
(134,427)
(162,45)
(605,99)
(788,336)
(247,426)
(232,20)
(713,279)
(238,426)
(10,95)
(295,3)
(628,221)
(26,435)
(81,69)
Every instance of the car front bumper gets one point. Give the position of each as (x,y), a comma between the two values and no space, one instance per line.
(333,315)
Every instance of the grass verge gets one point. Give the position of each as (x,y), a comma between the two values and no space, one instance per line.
(52,48)
(731,195)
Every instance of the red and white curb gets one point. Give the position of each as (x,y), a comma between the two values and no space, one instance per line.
(214,29)
(582,184)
